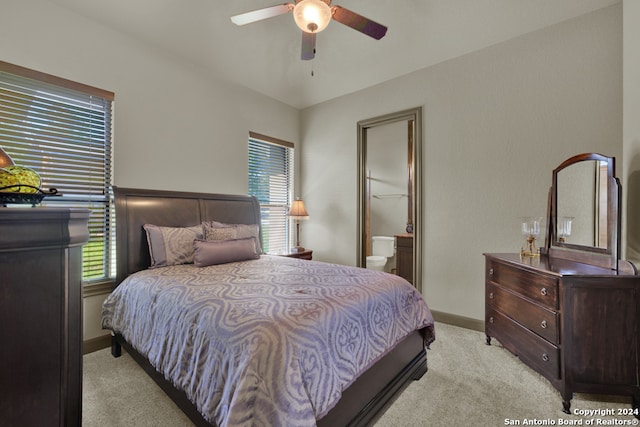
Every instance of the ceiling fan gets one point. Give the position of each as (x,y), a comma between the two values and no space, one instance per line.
(313,16)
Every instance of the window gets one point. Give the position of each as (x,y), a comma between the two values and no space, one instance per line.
(271,181)
(62,130)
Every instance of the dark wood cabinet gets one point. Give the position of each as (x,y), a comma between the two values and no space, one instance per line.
(404,256)
(41,315)
(575,324)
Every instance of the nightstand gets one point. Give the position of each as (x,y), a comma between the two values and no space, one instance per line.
(306,254)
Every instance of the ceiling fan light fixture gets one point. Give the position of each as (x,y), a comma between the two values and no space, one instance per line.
(312,16)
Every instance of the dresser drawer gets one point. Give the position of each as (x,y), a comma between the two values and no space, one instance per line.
(536,286)
(538,353)
(537,318)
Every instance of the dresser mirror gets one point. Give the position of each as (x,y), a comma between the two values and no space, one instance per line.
(584,221)
(583,203)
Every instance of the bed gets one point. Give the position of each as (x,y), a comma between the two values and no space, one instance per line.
(289,347)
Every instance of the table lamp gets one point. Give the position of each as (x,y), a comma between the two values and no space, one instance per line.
(298,212)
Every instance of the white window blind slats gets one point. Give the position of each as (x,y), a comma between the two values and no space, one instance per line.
(63,131)
(271,170)
(37,111)
(54,136)
(276,231)
(60,125)
(52,92)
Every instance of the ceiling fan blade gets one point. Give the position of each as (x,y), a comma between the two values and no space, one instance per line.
(308,46)
(260,14)
(358,22)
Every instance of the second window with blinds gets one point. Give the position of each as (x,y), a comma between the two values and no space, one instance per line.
(271,172)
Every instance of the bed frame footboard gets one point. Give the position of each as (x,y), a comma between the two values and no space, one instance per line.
(361,403)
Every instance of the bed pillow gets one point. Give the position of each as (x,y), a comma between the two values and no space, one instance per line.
(214,230)
(171,245)
(213,252)
(223,233)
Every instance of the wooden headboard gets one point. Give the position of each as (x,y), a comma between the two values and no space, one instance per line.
(136,207)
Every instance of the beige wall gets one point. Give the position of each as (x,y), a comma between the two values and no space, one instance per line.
(631,129)
(496,122)
(176,127)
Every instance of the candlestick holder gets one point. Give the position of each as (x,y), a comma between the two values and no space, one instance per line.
(530,229)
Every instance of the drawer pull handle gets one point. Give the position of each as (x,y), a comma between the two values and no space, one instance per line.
(490,295)
(544,324)
(491,319)
(491,271)
(545,357)
(543,291)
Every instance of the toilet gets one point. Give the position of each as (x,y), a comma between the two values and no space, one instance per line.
(382,247)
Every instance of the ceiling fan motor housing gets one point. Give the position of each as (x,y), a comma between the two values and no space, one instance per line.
(312,16)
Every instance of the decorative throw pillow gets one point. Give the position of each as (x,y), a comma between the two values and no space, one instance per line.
(211,231)
(224,233)
(213,252)
(171,245)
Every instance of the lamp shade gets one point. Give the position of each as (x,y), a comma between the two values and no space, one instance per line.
(297,210)
(312,16)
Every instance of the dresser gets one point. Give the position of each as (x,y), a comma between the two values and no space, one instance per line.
(404,256)
(41,315)
(575,324)
(572,311)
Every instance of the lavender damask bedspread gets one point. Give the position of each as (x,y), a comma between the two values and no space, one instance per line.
(271,341)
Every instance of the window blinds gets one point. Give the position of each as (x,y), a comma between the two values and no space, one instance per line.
(62,130)
(271,168)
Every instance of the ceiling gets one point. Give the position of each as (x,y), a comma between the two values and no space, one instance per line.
(265,56)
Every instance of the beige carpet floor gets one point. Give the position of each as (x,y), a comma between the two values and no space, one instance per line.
(468,384)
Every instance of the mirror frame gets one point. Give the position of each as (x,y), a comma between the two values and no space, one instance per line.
(414,184)
(604,257)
